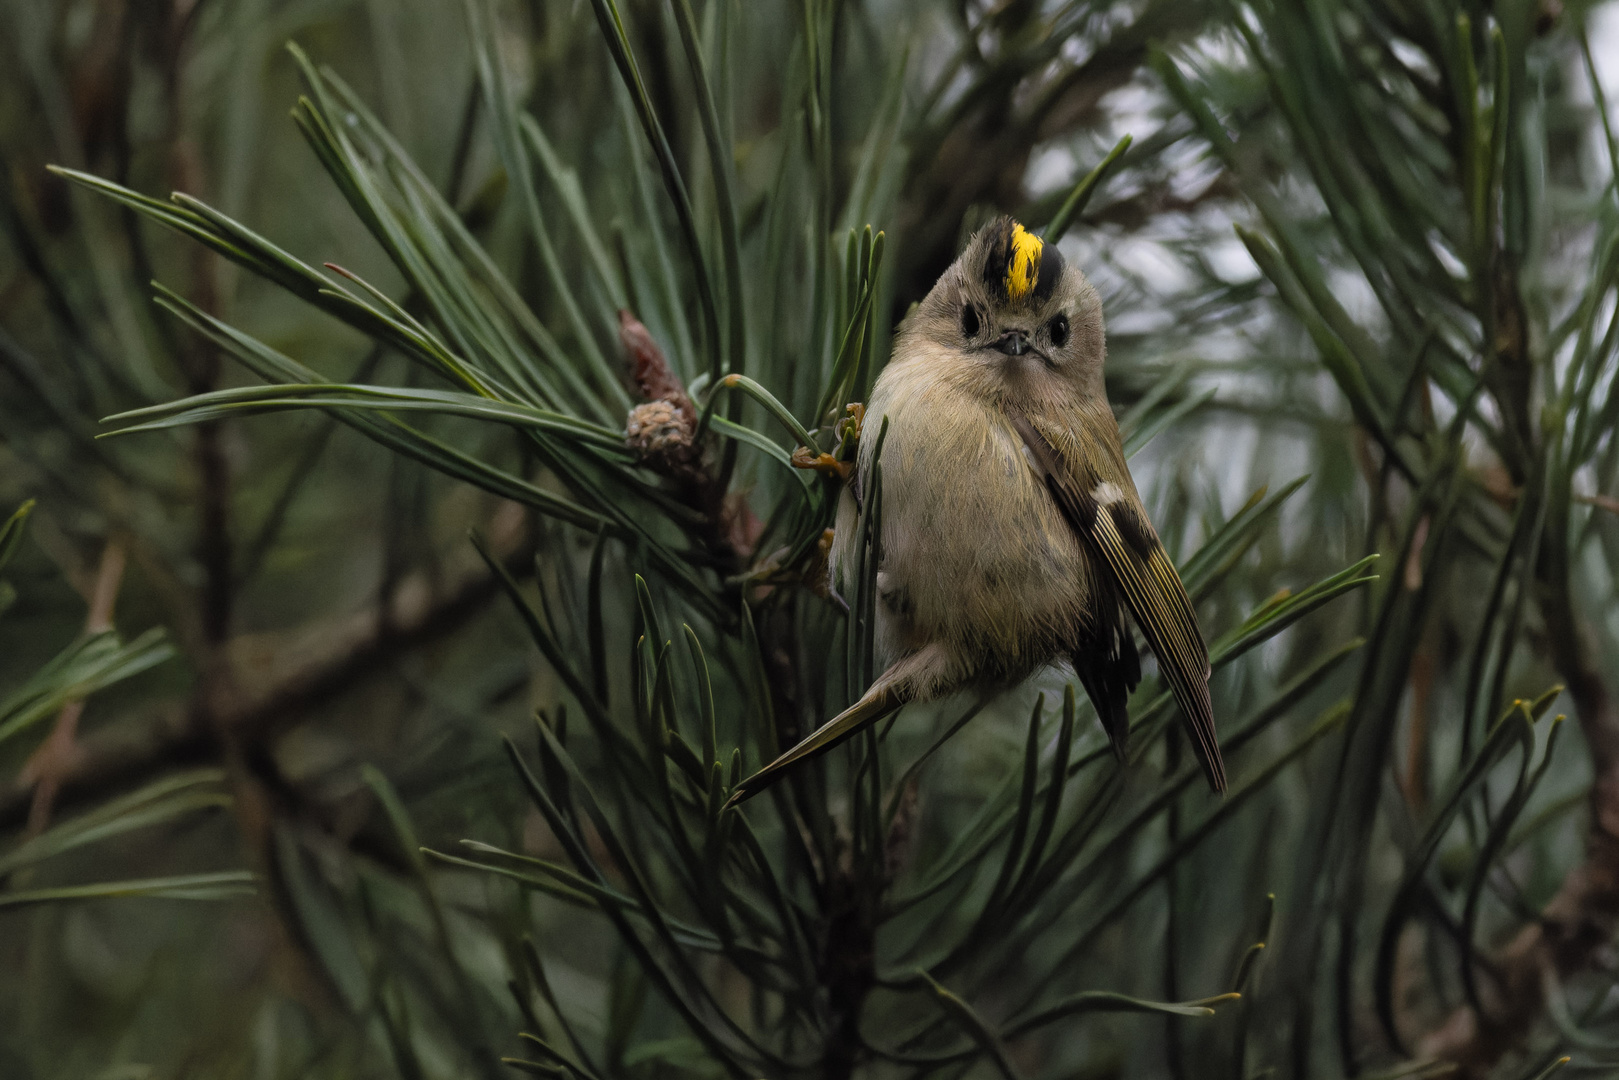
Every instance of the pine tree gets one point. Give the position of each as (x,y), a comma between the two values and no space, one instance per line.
(634,264)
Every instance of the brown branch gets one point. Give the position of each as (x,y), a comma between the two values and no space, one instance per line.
(1583,915)
(848,966)
(55,757)
(1601,502)
(279,683)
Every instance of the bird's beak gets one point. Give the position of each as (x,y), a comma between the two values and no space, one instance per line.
(1014,343)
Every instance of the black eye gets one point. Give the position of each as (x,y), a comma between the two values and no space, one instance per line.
(1058,329)
(969,321)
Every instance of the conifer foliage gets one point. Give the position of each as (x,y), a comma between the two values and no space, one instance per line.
(435,683)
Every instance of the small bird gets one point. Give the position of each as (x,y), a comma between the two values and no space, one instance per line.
(1012,532)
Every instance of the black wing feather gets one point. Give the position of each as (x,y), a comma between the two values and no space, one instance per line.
(1108,666)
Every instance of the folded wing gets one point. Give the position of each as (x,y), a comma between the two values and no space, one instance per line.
(1126,549)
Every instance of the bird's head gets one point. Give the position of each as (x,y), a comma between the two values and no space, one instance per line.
(1012,318)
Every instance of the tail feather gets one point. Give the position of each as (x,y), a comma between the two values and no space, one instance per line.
(878,702)
(1109,668)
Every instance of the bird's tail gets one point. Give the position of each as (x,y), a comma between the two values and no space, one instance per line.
(881,700)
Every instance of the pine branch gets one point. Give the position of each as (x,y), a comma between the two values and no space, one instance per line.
(314,668)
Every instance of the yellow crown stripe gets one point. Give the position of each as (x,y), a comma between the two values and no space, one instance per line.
(1023,268)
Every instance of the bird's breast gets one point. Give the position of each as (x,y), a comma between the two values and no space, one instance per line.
(975,551)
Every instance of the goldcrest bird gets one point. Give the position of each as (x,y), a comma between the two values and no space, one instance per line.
(1012,534)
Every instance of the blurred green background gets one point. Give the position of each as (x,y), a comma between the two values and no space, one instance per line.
(1358,262)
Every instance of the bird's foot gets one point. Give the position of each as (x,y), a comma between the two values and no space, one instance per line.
(840,462)
(825,464)
(848,429)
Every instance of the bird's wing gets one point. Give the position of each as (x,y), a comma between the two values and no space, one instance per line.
(1106,661)
(1126,549)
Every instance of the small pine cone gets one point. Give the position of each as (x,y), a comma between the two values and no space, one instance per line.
(650,369)
(660,433)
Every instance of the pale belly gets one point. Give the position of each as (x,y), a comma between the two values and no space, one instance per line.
(975,554)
